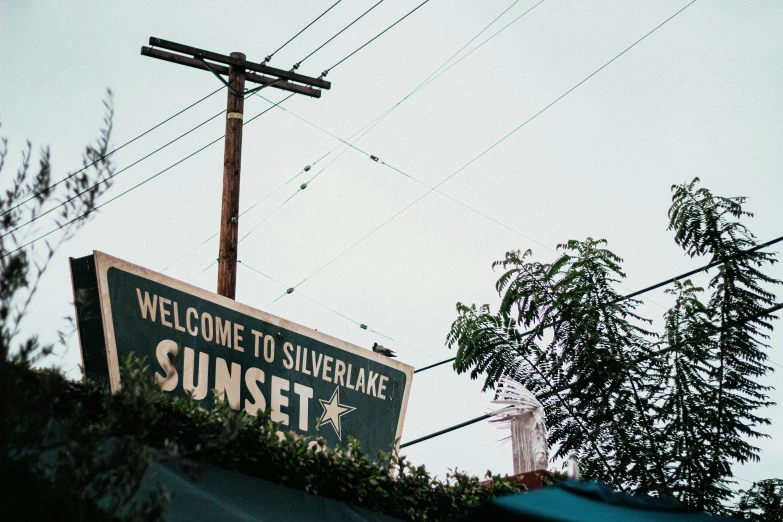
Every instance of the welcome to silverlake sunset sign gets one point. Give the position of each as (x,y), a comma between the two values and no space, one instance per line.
(201,343)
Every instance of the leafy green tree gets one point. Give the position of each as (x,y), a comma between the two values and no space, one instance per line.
(708,225)
(763,502)
(28,193)
(687,410)
(54,466)
(663,413)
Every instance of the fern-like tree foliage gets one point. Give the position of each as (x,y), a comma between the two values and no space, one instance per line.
(664,413)
(763,502)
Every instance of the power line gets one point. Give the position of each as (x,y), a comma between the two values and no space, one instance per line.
(371,40)
(88,189)
(413,178)
(261,200)
(329,308)
(296,66)
(556,392)
(489,148)
(377,120)
(654,287)
(45,190)
(251,207)
(82,216)
(301,188)
(426,81)
(253,91)
(512,22)
(269,57)
(48,188)
(438,72)
(369,126)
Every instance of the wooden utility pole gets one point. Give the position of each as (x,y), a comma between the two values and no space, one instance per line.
(238,71)
(232,163)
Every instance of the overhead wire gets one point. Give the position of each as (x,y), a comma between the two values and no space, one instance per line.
(297,64)
(270,56)
(84,215)
(371,40)
(51,186)
(251,207)
(377,120)
(445,66)
(440,70)
(107,179)
(329,308)
(491,147)
(138,137)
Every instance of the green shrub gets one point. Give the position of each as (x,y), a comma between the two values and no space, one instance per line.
(144,423)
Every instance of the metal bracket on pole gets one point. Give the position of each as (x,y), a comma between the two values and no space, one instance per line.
(224,82)
(247,92)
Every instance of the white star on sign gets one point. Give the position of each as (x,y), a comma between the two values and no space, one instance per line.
(333,410)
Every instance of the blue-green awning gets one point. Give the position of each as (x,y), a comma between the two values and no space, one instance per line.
(574,501)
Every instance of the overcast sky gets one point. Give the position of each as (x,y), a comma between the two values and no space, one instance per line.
(699,97)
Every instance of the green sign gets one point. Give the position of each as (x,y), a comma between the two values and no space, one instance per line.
(204,344)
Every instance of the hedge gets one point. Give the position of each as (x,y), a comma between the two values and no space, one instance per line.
(146,424)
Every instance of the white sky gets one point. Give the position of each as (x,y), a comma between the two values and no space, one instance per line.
(699,97)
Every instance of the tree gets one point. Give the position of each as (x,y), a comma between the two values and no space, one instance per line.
(52,467)
(22,258)
(664,413)
(763,502)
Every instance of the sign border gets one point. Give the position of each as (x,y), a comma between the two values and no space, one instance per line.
(103,262)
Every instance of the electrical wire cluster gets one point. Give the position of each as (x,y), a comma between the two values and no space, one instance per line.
(61,225)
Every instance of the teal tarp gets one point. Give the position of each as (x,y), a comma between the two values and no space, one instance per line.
(204,492)
(574,501)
